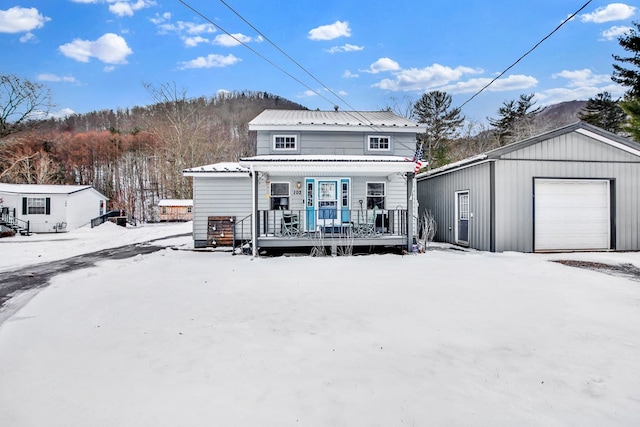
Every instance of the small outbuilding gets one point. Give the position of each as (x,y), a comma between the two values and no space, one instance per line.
(575,188)
(175,209)
(50,208)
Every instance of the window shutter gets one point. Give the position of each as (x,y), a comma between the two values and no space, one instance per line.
(24,206)
(47,209)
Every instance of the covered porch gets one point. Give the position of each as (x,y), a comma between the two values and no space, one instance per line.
(333,201)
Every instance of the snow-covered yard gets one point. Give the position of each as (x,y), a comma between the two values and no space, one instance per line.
(183,338)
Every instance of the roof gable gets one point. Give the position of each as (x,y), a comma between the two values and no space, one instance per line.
(578,141)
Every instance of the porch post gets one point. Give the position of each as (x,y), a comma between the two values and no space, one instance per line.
(410,203)
(254,208)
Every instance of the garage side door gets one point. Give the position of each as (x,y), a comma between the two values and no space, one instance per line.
(572,214)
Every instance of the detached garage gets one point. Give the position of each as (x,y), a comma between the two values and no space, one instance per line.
(576,188)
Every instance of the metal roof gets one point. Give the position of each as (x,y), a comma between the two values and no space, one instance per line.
(44,188)
(583,128)
(378,121)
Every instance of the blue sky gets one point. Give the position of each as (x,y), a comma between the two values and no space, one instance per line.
(96,54)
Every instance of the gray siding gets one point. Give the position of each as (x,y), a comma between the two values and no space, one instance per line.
(338,143)
(571,146)
(220,196)
(437,194)
(514,199)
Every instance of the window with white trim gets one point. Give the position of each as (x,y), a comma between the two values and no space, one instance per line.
(376,195)
(279,195)
(36,205)
(285,142)
(379,143)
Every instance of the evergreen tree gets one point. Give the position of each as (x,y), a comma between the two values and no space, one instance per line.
(517,119)
(604,112)
(629,77)
(443,122)
(631,106)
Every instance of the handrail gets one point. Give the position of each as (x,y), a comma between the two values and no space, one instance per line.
(242,240)
(16,223)
(376,222)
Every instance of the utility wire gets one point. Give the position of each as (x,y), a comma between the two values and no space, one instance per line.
(287,55)
(253,50)
(528,52)
(361,118)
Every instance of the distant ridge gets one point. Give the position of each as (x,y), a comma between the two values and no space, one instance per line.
(561,114)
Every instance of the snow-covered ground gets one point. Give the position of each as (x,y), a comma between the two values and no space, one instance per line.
(184,338)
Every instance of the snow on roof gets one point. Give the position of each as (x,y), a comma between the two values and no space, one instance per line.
(351,119)
(323,158)
(223,167)
(43,188)
(175,202)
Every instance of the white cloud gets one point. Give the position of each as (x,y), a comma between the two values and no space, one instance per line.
(194,41)
(512,82)
(189,32)
(611,12)
(210,61)
(556,95)
(419,79)
(109,48)
(345,48)
(582,78)
(349,75)
(47,77)
(582,84)
(27,37)
(382,65)
(128,8)
(614,32)
(235,39)
(19,20)
(330,32)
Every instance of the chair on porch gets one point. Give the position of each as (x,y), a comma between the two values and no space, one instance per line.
(365,224)
(290,225)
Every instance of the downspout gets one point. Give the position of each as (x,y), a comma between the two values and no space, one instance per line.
(254,209)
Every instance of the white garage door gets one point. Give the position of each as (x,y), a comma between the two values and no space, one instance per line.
(572,214)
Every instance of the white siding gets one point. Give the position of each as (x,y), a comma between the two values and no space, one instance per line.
(82,207)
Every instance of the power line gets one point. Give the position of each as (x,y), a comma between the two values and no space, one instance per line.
(361,117)
(527,53)
(287,55)
(253,50)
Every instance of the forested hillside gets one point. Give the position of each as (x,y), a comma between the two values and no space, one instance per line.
(136,156)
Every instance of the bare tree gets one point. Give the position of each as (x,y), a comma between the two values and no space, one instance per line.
(20,101)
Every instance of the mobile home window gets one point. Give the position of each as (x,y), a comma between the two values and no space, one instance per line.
(375,195)
(285,142)
(279,193)
(36,205)
(379,143)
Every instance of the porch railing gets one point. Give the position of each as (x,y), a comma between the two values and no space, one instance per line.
(355,222)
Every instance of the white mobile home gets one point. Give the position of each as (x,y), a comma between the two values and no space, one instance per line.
(51,208)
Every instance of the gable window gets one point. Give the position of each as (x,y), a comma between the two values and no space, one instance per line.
(379,143)
(36,206)
(285,142)
(279,195)
(375,195)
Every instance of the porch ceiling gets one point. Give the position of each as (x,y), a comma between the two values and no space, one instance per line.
(344,166)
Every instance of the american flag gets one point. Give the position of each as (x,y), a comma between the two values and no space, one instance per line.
(417,158)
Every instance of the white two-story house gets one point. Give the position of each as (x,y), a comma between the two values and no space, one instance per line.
(319,178)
